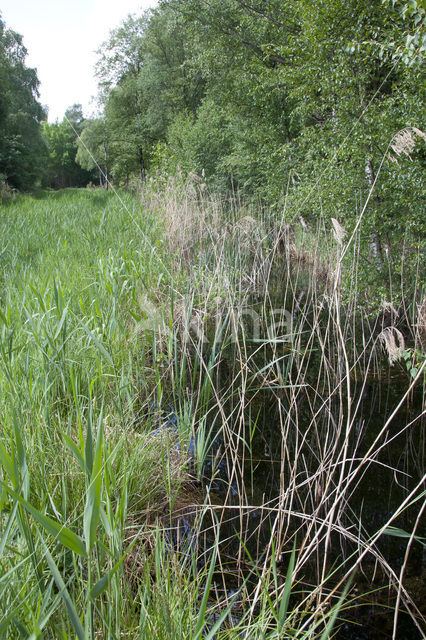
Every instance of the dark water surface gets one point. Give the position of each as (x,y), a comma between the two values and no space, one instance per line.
(383,485)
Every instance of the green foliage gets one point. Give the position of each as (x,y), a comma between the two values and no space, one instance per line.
(71,269)
(145,82)
(21,145)
(409,45)
(413,360)
(82,475)
(93,148)
(61,140)
(199,144)
(98,298)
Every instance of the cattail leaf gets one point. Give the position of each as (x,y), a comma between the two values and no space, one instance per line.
(76,451)
(72,612)
(6,620)
(60,323)
(106,522)
(200,623)
(94,492)
(103,583)
(23,633)
(100,586)
(215,628)
(6,461)
(400,533)
(285,598)
(97,344)
(22,478)
(6,531)
(45,613)
(326,634)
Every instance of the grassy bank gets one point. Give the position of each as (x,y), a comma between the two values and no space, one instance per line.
(75,379)
(127,364)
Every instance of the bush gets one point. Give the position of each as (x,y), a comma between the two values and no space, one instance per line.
(6,192)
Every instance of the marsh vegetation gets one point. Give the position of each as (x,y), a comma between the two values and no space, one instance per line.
(168,472)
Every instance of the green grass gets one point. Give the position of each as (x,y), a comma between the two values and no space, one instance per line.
(74,449)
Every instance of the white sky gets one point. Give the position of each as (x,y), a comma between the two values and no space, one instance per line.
(61,38)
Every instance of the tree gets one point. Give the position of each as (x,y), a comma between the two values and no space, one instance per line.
(311,89)
(145,82)
(21,145)
(93,149)
(75,118)
(61,140)
(280,99)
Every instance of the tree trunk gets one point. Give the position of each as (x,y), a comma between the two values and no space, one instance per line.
(142,165)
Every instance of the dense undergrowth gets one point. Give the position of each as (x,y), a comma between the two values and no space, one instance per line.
(129,373)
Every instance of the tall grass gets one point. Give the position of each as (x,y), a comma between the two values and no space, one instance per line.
(130,366)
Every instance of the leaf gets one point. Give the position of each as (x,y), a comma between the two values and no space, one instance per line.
(60,324)
(93,501)
(6,461)
(203,605)
(135,316)
(75,620)
(400,533)
(6,620)
(213,631)
(22,478)
(334,612)
(63,534)
(22,631)
(282,614)
(45,613)
(97,343)
(103,583)
(76,451)
(7,529)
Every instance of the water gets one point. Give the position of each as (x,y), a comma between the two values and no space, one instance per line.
(285,445)
(280,445)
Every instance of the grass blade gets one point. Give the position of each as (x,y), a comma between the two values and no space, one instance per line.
(63,534)
(73,615)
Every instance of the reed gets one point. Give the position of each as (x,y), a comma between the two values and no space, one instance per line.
(140,342)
